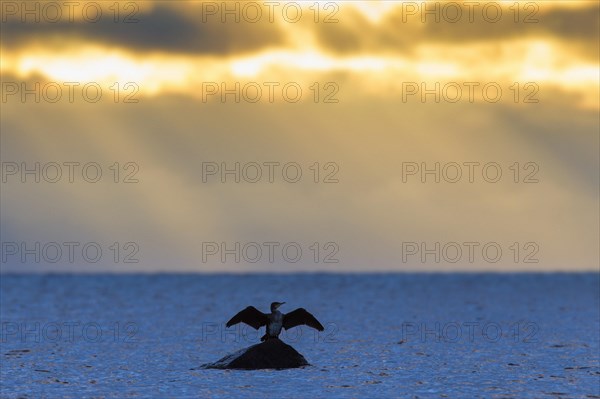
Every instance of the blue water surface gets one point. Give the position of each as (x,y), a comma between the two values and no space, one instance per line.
(386,335)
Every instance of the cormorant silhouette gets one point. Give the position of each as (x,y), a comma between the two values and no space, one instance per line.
(275,320)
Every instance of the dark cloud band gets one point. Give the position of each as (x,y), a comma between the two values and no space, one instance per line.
(162,28)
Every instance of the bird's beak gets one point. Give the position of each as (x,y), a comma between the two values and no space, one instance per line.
(281,303)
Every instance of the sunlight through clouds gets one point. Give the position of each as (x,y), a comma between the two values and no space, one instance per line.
(377,87)
(539,61)
(543,59)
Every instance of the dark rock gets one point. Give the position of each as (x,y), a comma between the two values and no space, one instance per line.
(271,354)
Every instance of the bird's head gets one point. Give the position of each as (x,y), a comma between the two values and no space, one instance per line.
(276,305)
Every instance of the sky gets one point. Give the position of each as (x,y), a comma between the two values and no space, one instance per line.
(348,136)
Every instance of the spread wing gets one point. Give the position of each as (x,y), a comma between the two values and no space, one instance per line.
(251,316)
(301,316)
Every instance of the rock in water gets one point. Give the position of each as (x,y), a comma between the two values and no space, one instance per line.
(271,354)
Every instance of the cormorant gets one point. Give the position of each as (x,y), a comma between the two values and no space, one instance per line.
(275,320)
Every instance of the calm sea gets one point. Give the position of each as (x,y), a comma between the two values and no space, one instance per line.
(386,335)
